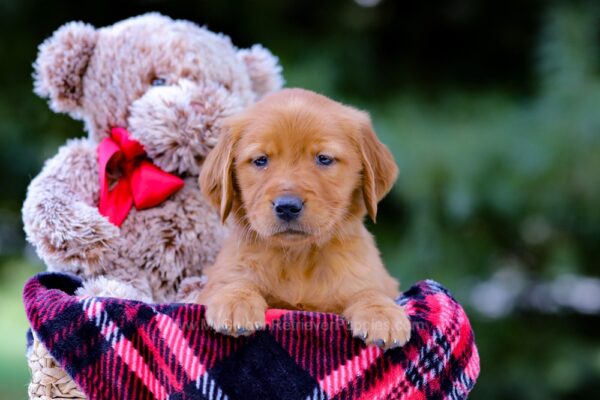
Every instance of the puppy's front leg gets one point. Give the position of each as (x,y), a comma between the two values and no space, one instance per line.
(377,319)
(235,309)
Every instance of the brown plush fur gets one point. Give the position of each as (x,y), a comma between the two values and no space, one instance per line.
(104,77)
(324,261)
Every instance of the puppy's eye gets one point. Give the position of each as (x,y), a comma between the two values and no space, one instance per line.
(158,81)
(322,159)
(261,161)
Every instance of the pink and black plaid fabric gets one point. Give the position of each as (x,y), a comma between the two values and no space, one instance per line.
(122,349)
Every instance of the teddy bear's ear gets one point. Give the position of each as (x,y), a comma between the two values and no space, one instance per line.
(263,68)
(61,63)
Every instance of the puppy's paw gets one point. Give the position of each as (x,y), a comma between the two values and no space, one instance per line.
(385,326)
(236,317)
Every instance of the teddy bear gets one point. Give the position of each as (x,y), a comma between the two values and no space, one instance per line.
(122,207)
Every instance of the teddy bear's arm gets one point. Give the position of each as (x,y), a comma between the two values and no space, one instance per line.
(60,215)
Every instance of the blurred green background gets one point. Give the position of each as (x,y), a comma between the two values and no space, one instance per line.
(492,110)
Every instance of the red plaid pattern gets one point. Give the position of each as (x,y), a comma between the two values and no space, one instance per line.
(122,349)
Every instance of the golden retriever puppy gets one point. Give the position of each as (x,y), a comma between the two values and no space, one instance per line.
(298,172)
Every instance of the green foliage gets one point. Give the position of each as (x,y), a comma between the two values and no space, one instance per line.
(498,147)
(13,367)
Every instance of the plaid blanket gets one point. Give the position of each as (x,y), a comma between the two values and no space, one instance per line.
(122,349)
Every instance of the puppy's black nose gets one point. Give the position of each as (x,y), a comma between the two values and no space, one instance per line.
(287,208)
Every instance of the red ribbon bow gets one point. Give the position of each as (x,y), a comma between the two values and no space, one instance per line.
(138,181)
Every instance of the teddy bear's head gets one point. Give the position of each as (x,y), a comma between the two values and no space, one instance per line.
(169,82)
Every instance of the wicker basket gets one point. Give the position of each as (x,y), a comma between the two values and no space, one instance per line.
(48,379)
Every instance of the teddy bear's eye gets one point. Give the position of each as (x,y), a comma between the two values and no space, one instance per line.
(159,82)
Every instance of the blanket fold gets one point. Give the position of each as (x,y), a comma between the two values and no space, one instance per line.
(123,349)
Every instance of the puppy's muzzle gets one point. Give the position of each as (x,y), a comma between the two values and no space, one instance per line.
(288,208)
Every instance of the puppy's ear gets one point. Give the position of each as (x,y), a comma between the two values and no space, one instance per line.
(379,168)
(216,177)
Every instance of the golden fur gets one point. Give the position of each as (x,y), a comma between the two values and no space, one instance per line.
(324,261)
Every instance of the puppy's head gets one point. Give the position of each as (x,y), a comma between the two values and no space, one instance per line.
(296,166)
